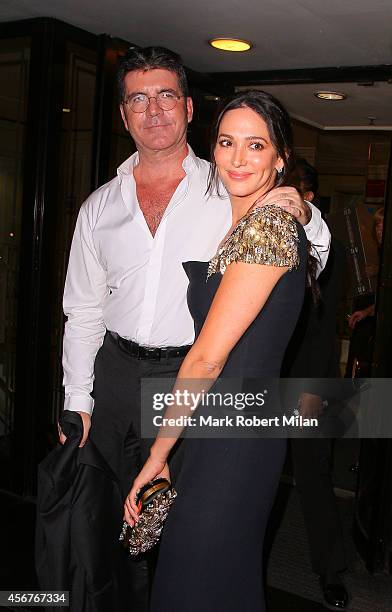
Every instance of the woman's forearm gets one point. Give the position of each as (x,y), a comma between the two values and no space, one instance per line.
(196,377)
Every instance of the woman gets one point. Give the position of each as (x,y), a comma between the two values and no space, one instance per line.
(245,304)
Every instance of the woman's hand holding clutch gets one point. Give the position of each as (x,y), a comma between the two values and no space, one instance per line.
(153,468)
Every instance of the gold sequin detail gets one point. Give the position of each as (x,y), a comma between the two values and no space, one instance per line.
(267,235)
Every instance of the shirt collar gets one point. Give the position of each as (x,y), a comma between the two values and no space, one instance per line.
(126,168)
(190,163)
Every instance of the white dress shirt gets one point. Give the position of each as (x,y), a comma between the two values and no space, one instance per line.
(121,278)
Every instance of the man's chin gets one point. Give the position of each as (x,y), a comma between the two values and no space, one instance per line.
(160,144)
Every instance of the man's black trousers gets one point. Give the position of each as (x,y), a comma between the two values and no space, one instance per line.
(115,430)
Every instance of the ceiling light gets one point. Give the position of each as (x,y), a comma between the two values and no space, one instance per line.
(330,95)
(211,98)
(230,44)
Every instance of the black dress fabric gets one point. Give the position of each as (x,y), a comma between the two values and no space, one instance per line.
(210,557)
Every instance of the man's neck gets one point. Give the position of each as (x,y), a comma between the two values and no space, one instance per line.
(159,165)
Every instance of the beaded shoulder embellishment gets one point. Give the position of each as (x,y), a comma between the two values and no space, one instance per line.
(267,235)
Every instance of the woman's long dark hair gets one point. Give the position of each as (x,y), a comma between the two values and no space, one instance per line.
(278,123)
(279,128)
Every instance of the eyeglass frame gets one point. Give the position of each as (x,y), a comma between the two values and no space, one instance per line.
(149,98)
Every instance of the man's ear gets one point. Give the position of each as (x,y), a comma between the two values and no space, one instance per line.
(309,196)
(123,117)
(189,108)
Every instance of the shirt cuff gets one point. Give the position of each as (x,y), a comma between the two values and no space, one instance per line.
(312,229)
(79,403)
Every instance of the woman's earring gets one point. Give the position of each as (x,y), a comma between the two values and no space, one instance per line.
(280,171)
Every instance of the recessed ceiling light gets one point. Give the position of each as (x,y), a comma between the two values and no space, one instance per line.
(230,44)
(330,95)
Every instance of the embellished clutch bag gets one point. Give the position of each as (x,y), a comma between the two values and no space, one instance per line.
(154,500)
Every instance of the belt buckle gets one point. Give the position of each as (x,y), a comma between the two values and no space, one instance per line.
(154,353)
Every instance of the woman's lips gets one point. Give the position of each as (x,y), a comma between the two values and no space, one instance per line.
(238,176)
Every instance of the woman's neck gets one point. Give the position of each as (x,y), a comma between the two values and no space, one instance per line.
(241,205)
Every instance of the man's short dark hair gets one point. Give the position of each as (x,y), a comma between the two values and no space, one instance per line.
(149,58)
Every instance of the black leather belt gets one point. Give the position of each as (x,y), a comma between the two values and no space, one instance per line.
(149,352)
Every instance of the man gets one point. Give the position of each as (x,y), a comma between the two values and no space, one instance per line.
(125,292)
(312,353)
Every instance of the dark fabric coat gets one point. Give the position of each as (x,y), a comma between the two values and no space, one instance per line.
(312,351)
(77,547)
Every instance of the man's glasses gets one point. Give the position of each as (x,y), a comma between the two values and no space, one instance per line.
(140,102)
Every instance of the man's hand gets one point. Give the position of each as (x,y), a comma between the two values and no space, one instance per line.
(289,199)
(310,406)
(359,315)
(86,428)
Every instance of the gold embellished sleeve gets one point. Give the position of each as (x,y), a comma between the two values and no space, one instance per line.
(267,235)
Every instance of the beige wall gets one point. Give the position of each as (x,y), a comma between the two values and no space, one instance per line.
(344,160)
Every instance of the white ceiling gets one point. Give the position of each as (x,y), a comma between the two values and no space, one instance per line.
(364,105)
(286,34)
